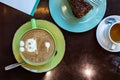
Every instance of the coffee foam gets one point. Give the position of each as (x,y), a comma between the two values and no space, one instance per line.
(37,46)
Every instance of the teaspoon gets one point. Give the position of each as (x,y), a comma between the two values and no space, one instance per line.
(11,66)
(110,21)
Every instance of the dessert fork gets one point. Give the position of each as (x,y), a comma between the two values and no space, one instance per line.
(96,2)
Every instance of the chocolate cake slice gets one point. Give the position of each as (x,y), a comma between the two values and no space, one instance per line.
(79,7)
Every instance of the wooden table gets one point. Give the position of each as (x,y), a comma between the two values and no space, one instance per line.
(82,49)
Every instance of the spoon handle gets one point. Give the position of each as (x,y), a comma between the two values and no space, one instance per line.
(11,66)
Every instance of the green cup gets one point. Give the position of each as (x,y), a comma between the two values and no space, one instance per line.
(37,46)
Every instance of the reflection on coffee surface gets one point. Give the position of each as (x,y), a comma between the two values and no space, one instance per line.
(37,45)
(115,32)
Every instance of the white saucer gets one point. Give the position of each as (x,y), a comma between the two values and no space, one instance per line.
(102,38)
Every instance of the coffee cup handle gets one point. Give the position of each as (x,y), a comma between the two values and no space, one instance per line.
(33,22)
(113,46)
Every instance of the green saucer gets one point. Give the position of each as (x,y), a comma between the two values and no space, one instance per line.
(60,45)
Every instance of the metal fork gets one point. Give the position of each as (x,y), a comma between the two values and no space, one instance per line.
(96,2)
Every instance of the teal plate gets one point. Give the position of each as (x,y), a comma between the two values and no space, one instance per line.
(61,13)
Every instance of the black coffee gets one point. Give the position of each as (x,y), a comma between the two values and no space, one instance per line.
(115,32)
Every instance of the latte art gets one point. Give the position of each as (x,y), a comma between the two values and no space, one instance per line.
(31,45)
(47,45)
(37,46)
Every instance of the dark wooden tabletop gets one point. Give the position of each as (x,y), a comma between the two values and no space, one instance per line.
(82,49)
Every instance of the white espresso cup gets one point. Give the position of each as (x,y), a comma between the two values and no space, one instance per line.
(114,35)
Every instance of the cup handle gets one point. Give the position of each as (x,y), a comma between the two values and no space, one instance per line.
(113,46)
(33,22)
